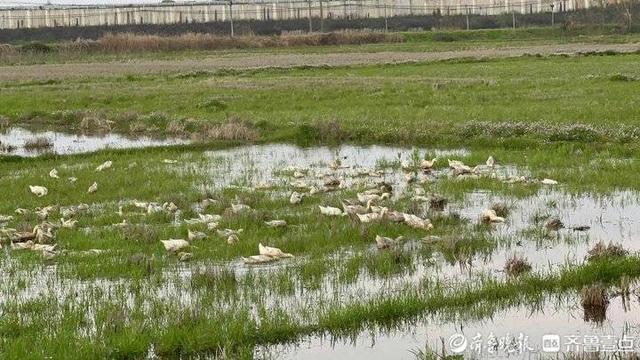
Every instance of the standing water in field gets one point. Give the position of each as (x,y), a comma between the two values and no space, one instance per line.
(22,142)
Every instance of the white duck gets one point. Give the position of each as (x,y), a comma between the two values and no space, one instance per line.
(489,215)
(364,198)
(276,223)
(330,211)
(239,208)
(417,222)
(383,242)
(273,252)
(69,224)
(38,191)
(428,164)
(105,165)
(295,198)
(195,235)
(491,162)
(175,245)
(72,179)
(258,259)
(352,209)
(371,217)
(549,182)
(93,188)
(54,174)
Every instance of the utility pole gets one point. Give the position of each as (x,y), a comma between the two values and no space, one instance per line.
(552,16)
(467,16)
(513,19)
(310,23)
(386,23)
(321,18)
(231,15)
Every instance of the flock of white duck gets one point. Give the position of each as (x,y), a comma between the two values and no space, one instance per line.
(362,209)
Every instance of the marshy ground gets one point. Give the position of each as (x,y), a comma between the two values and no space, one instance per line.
(96,171)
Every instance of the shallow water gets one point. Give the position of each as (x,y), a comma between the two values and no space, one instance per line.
(74,144)
(564,319)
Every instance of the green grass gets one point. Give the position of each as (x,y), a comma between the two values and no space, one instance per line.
(118,303)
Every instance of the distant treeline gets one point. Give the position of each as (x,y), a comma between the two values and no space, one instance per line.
(614,15)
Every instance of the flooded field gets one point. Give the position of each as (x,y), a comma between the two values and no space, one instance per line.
(17,141)
(368,228)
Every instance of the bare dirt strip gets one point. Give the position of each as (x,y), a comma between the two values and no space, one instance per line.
(251,61)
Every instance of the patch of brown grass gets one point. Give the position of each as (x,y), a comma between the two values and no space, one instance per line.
(176,127)
(234,129)
(601,251)
(4,122)
(595,301)
(331,131)
(95,123)
(516,265)
(191,41)
(38,143)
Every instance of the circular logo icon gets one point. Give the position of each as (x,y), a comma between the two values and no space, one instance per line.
(457,343)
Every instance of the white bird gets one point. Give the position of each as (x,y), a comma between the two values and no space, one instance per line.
(428,164)
(54,174)
(258,259)
(209,218)
(170,207)
(72,179)
(105,165)
(549,182)
(394,216)
(229,232)
(272,251)
(296,198)
(459,167)
(93,188)
(364,198)
(371,217)
(330,211)
(44,247)
(68,211)
(43,213)
(38,191)
(417,222)
(232,239)
(69,224)
(170,161)
(298,174)
(491,161)
(154,208)
(240,208)
(184,256)
(43,233)
(21,211)
(175,245)
(489,215)
(276,223)
(352,209)
(195,235)
(5,218)
(383,242)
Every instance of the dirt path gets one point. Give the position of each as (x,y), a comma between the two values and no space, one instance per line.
(248,61)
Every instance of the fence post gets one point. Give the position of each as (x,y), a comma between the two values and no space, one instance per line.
(513,19)
(552,16)
(231,15)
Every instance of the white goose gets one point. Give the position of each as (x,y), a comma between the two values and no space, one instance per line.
(175,245)
(276,223)
(195,235)
(38,191)
(54,174)
(364,198)
(105,165)
(69,224)
(490,216)
(371,217)
(273,252)
(93,188)
(330,211)
(428,164)
(296,198)
(239,208)
(352,209)
(383,242)
(417,222)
